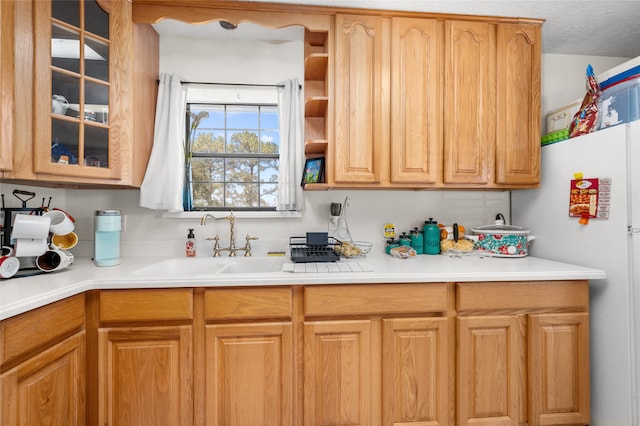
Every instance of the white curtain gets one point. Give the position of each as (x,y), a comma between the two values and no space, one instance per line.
(290,193)
(164,179)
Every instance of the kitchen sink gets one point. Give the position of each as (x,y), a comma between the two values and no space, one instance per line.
(252,265)
(206,266)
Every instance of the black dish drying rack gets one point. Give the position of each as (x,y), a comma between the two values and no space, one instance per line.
(9,213)
(315,247)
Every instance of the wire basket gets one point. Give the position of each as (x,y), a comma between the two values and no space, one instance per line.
(351,249)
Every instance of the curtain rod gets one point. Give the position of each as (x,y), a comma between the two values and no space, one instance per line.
(234,84)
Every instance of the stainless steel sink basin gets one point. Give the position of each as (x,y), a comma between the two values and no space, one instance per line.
(201,267)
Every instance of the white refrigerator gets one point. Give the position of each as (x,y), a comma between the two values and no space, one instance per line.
(611,244)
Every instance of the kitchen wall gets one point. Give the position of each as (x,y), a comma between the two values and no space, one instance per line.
(148,233)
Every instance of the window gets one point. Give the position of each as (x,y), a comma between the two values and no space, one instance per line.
(233,156)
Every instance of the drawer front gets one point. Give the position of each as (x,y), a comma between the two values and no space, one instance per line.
(146,305)
(39,328)
(248,303)
(375,299)
(518,296)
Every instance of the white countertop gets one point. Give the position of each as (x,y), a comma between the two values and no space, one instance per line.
(18,295)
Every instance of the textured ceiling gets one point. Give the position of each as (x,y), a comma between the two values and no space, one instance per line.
(586,27)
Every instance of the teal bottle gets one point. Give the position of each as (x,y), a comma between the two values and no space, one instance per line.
(405,240)
(431,237)
(417,240)
(391,243)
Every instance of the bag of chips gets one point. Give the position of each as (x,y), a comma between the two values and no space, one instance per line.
(586,119)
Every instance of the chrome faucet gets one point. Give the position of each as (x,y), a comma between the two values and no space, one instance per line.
(232,238)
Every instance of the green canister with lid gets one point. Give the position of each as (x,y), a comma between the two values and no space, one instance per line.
(431,235)
(417,240)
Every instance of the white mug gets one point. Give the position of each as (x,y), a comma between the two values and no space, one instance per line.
(7,251)
(9,266)
(26,247)
(61,224)
(54,259)
(59,104)
(30,226)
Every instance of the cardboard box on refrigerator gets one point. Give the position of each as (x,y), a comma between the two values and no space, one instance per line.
(560,119)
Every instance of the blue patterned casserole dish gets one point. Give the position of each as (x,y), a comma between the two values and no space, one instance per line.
(501,240)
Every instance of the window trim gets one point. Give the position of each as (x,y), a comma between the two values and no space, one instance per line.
(228,155)
(254,214)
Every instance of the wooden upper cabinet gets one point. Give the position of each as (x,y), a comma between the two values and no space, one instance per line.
(361,99)
(469,99)
(73,109)
(87,80)
(6,85)
(415,101)
(518,104)
(432,103)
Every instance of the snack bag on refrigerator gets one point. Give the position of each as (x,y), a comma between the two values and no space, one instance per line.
(586,119)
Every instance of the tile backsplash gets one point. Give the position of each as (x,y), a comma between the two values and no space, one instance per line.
(148,233)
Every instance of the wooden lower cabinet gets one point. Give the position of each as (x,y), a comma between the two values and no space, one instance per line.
(43,365)
(145,375)
(145,357)
(488,370)
(522,354)
(340,371)
(559,369)
(249,374)
(346,361)
(423,354)
(388,367)
(47,389)
(250,348)
(415,371)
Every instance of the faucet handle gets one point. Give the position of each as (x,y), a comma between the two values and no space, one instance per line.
(216,246)
(247,246)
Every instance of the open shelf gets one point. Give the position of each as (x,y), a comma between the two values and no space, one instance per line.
(316,106)
(316,187)
(316,103)
(315,66)
(315,147)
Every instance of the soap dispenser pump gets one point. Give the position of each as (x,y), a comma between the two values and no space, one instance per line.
(191,244)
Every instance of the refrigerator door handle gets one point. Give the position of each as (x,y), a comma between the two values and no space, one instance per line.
(634,327)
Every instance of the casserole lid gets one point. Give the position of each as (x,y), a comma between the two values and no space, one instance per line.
(499,227)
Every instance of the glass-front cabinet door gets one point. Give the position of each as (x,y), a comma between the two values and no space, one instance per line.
(72,97)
